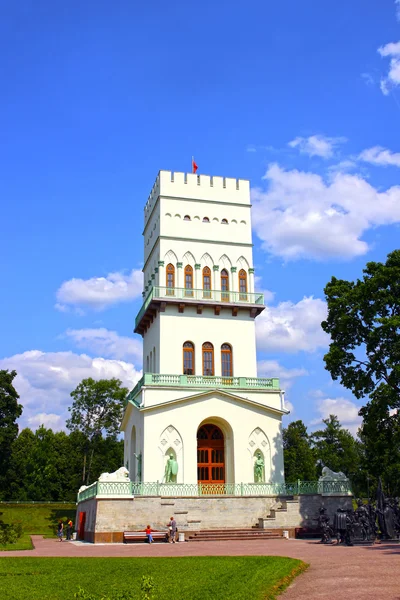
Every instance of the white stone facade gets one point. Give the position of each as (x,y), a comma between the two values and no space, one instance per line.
(199,289)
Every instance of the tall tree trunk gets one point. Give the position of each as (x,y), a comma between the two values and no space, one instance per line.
(84,468)
(90,466)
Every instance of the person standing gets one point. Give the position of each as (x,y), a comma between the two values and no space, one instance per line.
(60,528)
(69,530)
(172,530)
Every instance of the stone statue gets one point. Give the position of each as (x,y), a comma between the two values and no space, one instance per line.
(329,475)
(340,525)
(387,521)
(171,470)
(259,468)
(121,474)
(362,518)
(139,466)
(323,523)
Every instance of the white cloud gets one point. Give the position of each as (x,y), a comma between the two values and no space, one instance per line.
(100,292)
(107,343)
(345,410)
(272,368)
(317,145)
(344,166)
(49,420)
(46,379)
(290,327)
(302,216)
(380,156)
(368,78)
(392,79)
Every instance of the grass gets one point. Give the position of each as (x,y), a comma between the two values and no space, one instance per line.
(189,578)
(24,543)
(37,519)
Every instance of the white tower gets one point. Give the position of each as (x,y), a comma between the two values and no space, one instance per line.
(200,399)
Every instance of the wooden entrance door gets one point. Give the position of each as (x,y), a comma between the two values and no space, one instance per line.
(210,455)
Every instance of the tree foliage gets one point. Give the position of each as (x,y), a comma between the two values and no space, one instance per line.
(10,410)
(298,455)
(97,407)
(364,325)
(336,448)
(364,354)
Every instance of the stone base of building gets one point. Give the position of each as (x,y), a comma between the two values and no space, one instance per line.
(103,520)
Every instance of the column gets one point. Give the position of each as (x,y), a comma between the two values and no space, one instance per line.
(198,283)
(161,274)
(216,283)
(251,281)
(179,282)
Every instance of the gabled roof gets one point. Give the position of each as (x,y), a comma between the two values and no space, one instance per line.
(221,392)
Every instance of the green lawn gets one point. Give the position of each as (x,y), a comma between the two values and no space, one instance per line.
(191,578)
(40,519)
(24,543)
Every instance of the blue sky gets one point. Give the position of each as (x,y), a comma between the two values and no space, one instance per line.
(303,99)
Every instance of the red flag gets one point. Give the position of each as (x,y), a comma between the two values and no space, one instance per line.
(194,166)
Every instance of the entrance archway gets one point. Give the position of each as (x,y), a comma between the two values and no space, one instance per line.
(210,454)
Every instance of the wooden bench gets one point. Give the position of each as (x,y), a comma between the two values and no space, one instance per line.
(307,532)
(140,536)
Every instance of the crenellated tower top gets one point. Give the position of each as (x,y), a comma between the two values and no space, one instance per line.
(197,187)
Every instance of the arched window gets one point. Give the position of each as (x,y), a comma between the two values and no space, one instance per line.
(208,359)
(170,279)
(188,281)
(226,360)
(224,285)
(186,218)
(188,358)
(207,282)
(224,221)
(242,284)
(206,220)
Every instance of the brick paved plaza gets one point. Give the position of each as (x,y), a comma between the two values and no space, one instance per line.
(335,572)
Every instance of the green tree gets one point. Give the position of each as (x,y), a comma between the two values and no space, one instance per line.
(364,325)
(336,448)
(298,455)
(364,354)
(380,437)
(10,410)
(96,411)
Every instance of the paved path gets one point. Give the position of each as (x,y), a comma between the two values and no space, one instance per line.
(357,573)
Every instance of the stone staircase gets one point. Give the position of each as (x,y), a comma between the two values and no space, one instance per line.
(252,534)
(287,515)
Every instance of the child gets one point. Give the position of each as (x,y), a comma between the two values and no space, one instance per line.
(148,531)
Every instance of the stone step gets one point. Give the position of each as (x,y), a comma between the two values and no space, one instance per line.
(275,536)
(256,531)
(234,534)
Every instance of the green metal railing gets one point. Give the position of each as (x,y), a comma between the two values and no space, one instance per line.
(203,295)
(216,381)
(131,488)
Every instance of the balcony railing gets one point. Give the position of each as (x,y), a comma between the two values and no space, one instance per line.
(212,296)
(157,488)
(249,383)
